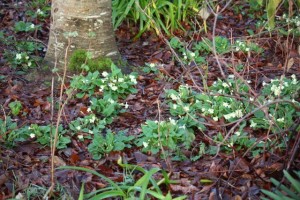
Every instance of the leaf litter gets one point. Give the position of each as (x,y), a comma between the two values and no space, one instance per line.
(233,176)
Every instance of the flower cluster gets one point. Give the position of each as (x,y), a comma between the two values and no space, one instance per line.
(247,47)
(23,59)
(170,133)
(117,84)
(294,21)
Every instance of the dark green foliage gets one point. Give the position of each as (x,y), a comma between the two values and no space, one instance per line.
(285,192)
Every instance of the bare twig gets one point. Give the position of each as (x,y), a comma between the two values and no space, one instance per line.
(214,34)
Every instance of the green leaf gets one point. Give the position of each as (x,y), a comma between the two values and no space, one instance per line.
(282,187)
(259,114)
(108,194)
(294,182)
(271,11)
(97,174)
(144,180)
(80,95)
(81,192)
(273,195)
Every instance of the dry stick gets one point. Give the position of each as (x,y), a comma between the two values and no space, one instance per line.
(52,114)
(158,131)
(61,107)
(287,40)
(214,34)
(181,63)
(294,151)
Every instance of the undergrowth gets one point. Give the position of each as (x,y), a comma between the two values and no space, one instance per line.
(231,104)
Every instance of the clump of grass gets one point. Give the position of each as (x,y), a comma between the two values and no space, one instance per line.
(80,60)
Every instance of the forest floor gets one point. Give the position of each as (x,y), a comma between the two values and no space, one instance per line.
(231,174)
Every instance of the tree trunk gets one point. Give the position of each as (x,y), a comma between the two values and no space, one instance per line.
(86,17)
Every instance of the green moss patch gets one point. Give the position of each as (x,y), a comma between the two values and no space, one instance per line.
(80,60)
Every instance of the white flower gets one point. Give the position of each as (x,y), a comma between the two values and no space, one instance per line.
(225,85)
(27,57)
(174,97)
(215,119)
(32,26)
(237,133)
(253,124)
(126,105)
(264,83)
(133,79)
(239,113)
(182,127)
(186,108)
(39,12)
(20,196)
(274,80)
(152,65)
(226,105)
(111,101)
(231,76)
(249,81)
(85,81)
(145,144)
(251,99)
(230,144)
(172,121)
(101,88)
(92,120)
(29,64)
(112,86)
(104,74)
(78,128)
(91,132)
(229,116)
(174,106)
(18,56)
(185,57)
(120,80)
(276,89)
(80,137)
(280,119)
(89,109)
(211,111)
(192,54)
(247,49)
(32,135)
(294,81)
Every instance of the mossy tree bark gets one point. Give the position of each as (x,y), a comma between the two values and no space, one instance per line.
(86,17)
